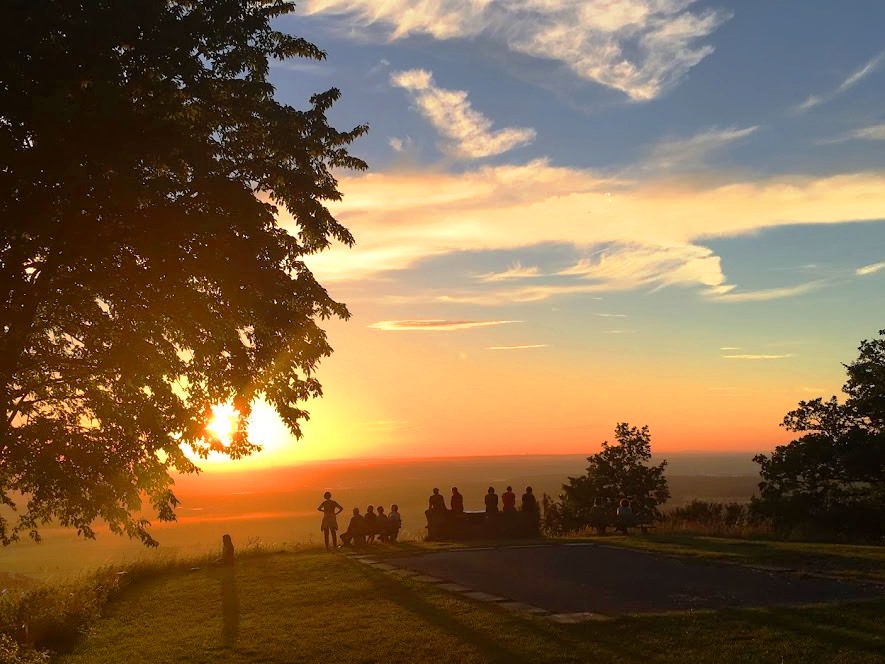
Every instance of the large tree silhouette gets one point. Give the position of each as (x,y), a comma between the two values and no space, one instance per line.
(143,274)
(831,479)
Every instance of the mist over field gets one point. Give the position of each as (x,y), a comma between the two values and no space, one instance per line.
(279,504)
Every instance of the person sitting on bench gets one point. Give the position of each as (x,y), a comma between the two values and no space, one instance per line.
(457,501)
(529,502)
(599,517)
(354,532)
(508,500)
(370,524)
(491,501)
(436,502)
(394,523)
(382,524)
(624,518)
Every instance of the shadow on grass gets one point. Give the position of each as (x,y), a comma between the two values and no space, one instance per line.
(230,608)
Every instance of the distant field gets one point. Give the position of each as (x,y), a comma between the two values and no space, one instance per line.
(278,505)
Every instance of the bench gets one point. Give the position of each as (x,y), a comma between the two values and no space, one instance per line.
(642,527)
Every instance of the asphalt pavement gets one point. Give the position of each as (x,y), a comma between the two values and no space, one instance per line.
(613,581)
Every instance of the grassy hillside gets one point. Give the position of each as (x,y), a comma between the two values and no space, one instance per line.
(310,605)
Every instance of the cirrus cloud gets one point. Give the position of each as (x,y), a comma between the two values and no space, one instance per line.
(468,131)
(435,325)
(869,269)
(640,47)
(401,218)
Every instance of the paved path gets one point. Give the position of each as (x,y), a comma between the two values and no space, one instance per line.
(611,581)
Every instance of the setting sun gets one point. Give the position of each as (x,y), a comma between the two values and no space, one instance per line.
(223,423)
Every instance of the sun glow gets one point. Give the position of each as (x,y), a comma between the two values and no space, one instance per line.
(263,426)
(223,424)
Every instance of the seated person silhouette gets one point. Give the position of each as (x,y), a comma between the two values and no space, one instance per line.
(529,502)
(599,517)
(491,500)
(370,524)
(457,501)
(227,551)
(330,510)
(354,535)
(394,523)
(624,518)
(436,501)
(508,500)
(382,524)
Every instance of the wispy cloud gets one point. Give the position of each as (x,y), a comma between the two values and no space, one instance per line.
(769,293)
(405,217)
(869,269)
(681,153)
(522,347)
(612,315)
(632,265)
(730,348)
(498,297)
(468,132)
(435,325)
(640,47)
(515,271)
(871,133)
(757,357)
(619,331)
(855,78)
(399,144)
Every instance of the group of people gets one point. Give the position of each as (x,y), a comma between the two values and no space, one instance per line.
(437,503)
(362,528)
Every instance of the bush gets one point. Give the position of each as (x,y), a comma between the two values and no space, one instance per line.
(724,519)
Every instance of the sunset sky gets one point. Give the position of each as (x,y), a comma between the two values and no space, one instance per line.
(581,212)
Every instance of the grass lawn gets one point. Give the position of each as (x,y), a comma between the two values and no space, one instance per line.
(314,606)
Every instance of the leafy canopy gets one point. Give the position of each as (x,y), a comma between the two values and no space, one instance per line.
(620,470)
(832,478)
(143,274)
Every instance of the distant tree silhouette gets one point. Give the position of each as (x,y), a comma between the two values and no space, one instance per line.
(620,470)
(831,479)
(143,274)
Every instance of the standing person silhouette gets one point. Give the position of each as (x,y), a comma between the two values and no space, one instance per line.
(491,501)
(330,510)
(508,500)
